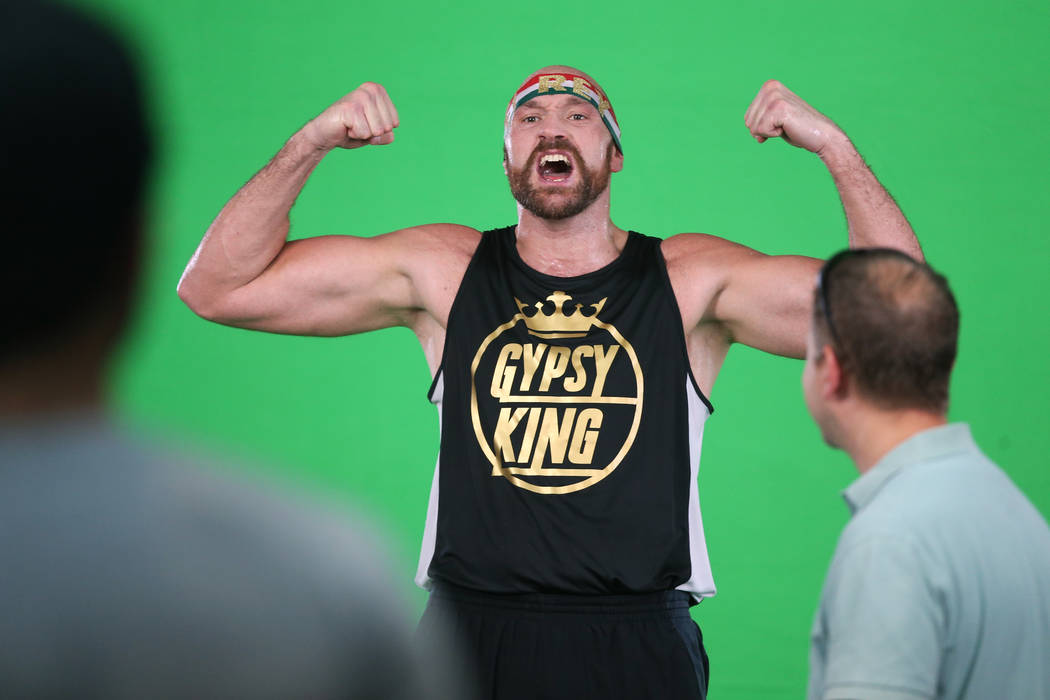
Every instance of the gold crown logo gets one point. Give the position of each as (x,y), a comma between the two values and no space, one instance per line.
(557,324)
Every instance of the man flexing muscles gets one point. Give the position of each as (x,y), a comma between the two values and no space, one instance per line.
(571,360)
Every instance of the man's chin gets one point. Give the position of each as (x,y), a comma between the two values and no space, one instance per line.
(558,200)
(829,440)
(555,208)
(553,202)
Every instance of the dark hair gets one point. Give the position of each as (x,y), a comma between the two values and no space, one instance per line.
(893,324)
(74,158)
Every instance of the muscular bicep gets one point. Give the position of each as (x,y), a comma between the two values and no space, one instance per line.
(330,285)
(766,301)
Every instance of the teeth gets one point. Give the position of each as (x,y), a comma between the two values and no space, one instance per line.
(553,158)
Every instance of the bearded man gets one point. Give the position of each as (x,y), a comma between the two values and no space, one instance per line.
(571,360)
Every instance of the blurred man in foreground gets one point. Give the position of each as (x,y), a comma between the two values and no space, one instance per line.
(940,584)
(126,574)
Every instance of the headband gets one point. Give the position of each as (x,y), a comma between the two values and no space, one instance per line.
(568,84)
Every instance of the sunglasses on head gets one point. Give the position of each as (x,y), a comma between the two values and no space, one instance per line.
(823,285)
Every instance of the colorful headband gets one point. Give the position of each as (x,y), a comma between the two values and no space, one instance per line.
(568,84)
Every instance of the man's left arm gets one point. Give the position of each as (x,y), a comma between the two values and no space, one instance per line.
(765,300)
(872,215)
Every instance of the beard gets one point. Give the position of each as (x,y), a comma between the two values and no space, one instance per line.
(559,202)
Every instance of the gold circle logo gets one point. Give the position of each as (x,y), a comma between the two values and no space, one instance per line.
(555,399)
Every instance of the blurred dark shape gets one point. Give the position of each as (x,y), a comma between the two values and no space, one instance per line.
(76,152)
(126,572)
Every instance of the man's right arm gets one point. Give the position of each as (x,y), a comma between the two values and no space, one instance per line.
(245,273)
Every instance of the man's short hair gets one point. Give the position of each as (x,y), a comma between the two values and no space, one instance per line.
(74,159)
(893,324)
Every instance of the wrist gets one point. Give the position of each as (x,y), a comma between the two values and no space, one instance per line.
(305,146)
(839,153)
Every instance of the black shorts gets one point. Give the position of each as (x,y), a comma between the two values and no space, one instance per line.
(548,647)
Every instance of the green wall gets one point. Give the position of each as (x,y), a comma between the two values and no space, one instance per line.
(947,101)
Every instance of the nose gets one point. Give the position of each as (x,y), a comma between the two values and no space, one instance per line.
(552,129)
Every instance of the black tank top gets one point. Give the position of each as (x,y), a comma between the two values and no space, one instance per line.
(570,431)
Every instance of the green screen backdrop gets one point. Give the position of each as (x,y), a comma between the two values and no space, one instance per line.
(946,100)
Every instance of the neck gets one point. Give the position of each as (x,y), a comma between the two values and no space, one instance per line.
(873,432)
(573,246)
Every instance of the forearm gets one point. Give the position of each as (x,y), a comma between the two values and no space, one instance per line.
(872,215)
(252,228)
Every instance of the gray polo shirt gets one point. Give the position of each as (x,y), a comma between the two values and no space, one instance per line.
(127,573)
(940,583)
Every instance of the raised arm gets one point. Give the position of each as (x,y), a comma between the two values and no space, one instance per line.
(764,301)
(872,215)
(245,273)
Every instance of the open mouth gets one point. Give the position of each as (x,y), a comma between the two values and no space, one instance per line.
(554,167)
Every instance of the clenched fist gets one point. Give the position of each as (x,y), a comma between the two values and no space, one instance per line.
(776,111)
(365,116)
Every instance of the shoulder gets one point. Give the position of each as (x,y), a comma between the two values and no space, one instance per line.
(693,255)
(174,535)
(219,510)
(437,254)
(431,256)
(447,235)
(441,239)
(687,245)
(148,499)
(700,266)
(437,244)
(893,538)
(872,532)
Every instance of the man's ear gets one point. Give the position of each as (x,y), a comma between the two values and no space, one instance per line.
(833,383)
(616,162)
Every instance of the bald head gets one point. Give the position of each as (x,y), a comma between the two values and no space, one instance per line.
(546,70)
(893,324)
